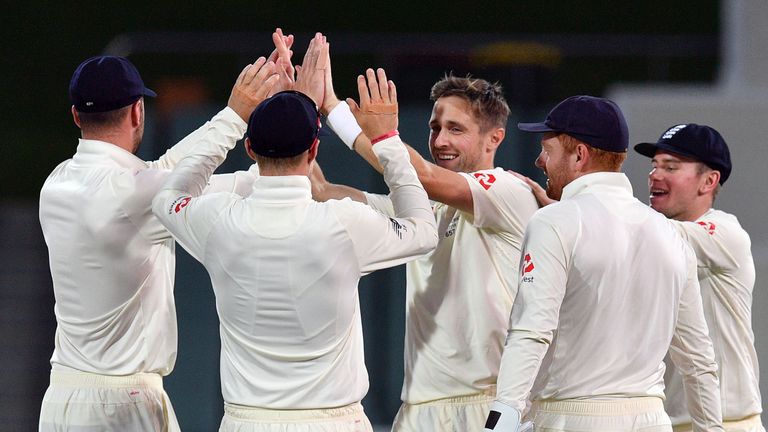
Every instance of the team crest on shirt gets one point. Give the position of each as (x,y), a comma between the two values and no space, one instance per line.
(486,180)
(709,226)
(527,268)
(179,204)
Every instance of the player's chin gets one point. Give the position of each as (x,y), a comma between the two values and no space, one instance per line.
(658,202)
(449,164)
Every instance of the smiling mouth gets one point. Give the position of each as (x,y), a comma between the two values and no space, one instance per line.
(655,193)
(446,157)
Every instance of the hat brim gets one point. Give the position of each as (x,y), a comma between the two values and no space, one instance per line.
(646,149)
(650,149)
(148,92)
(535,127)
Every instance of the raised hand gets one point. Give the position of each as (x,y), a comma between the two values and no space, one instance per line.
(252,87)
(377,112)
(310,78)
(329,100)
(281,56)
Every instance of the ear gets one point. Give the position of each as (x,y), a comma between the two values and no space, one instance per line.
(248,149)
(75,116)
(711,180)
(581,152)
(312,152)
(136,112)
(496,137)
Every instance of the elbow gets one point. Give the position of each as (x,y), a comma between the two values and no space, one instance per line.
(430,238)
(159,205)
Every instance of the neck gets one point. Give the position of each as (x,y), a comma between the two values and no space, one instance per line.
(117,138)
(297,171)
(695,212)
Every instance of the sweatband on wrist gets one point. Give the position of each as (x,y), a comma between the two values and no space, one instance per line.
(343,123)
(389,134)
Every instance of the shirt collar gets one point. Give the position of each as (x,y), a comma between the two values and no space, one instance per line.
(598,181)
(99,152)
(280,189)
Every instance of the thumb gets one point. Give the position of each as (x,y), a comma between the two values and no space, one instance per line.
(353,106)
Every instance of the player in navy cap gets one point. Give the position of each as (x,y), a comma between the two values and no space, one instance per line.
(111,260)
(690,164)
(605,287)
(285,268)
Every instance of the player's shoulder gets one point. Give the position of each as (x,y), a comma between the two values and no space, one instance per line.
(559,213)
(497,181)
(720,222)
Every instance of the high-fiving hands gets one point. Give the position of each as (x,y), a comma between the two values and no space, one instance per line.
(253,85)
(281,56)
(377,112)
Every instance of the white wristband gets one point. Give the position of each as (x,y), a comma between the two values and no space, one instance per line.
(341,121)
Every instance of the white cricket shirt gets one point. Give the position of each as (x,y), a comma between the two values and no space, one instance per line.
(459,296)
(112,262)
(727,278)
(605,285)
(285,270)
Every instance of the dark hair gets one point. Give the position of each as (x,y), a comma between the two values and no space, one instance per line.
(102,120)
(279,164)
(487,100)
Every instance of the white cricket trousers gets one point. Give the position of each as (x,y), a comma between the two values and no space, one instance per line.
(84,402)
(350,418)
(749,424)
(645,414)
(456,414)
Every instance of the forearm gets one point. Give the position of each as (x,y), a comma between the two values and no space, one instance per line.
(192,172)
(693,354)
(330,191)
(409,198)
(520,362)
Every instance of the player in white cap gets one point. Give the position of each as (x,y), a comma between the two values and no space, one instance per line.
(606,286)
(459,296)
(285,268)
(112,262)
(690,163)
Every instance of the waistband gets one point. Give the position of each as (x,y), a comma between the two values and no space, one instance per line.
(487,395)
(597,407)
(745,423)
(241,412)
(85,379)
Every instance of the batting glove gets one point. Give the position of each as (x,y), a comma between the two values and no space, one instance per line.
(504,418)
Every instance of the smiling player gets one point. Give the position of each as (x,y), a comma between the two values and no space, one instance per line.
(459,296)
(690,163)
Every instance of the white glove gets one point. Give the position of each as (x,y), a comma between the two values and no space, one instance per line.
(504,418)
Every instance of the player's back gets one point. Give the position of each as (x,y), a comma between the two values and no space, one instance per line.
(626,272)
(94,213)
(285,276)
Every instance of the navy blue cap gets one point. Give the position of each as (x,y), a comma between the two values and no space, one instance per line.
(285,125)
(593,120)
(699,142)
(106,83)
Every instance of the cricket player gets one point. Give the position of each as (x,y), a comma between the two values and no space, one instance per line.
(112,262)
(690,164)
(459,296)
(285,268)
(606,288)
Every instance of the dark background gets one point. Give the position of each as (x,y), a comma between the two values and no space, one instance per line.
(541,52)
